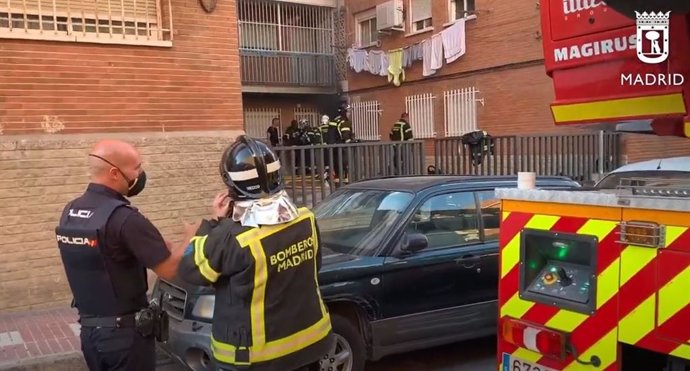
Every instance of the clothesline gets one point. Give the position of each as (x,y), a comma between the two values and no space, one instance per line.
(448,45)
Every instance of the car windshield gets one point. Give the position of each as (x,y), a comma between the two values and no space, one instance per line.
(650,178)
(355,222)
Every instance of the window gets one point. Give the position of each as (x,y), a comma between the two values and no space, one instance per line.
(367,33)
(447,220)
(257,121)
(355,222)
(365,120)
(458,9)
(490,207)
(115,21)
(421,110)
(420,15)
(460,108)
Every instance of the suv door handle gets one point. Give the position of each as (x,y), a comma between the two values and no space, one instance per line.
(468,261)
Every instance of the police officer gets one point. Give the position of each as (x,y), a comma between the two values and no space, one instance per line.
(262,261)
(106,245)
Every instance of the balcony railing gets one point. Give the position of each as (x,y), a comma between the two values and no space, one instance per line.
(272,68)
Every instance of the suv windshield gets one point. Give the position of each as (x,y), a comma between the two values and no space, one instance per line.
(650,178)
(355,221)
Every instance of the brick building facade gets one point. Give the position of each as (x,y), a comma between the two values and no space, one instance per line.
(176,95)
(499,85)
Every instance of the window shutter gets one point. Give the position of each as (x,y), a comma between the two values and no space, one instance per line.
(421,10)
(104,9)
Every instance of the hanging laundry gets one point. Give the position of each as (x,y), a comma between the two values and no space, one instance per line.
(358,60)
(396,73)
(454,41)
(436,52)
(426,68)
(384,64)
(375,62)
(417,52)
(407,57)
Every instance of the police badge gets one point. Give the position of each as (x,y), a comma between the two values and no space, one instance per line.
(652,36)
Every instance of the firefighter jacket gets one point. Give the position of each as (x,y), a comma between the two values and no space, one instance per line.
(401,131)
(314,134)
(100,286)
(344,129)
(332,135)
(268,313)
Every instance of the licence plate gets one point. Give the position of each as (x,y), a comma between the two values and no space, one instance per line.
(511,363)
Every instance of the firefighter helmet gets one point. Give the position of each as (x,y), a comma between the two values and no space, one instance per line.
(251,169)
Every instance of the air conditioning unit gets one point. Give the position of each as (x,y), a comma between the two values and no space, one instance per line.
(389,16)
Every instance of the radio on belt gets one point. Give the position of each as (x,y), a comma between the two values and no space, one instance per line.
(559,269)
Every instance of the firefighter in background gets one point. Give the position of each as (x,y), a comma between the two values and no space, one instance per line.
(480,144)
(340,132)
(400,132)
(344,125)
(263,261)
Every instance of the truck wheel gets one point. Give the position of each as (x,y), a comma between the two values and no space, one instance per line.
(349,353)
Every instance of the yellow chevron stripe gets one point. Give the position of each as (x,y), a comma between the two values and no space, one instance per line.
(674,296)
(510,255)
(607,281)
(633,259)
(683,351)
(605,349)
(527,355)
(672,234)
(516,307)
(638,323)
(505,215)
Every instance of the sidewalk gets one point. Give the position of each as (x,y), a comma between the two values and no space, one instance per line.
(40,340)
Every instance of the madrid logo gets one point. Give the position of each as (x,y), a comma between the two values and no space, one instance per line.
(652,36)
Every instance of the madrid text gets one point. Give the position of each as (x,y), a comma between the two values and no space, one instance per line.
(294,255)
(652,79)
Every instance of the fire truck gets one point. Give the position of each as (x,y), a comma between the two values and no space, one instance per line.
(599,279)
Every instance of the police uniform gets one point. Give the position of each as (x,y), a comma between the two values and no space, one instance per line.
(268,314)
(106,245)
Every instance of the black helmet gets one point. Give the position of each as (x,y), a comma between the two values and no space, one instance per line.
(251,169)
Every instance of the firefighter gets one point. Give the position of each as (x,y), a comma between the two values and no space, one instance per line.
(400,132)
(263,261)
(343,125)
(480,144)
(106,245)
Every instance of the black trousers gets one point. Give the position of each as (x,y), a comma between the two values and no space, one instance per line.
(117,349)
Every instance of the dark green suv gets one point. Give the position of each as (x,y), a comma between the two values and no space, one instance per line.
(408,263)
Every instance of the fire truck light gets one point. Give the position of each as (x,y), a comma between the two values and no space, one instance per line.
(639,233)
(545,341)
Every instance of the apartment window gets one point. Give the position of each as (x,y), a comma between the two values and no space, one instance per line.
(145,22)
(420,15)
(458,9)
(257,121)
(367,34)
(421,111)
(366,120)
(460,107)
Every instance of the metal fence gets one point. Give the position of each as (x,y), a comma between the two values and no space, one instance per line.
(310,177)
(287,69)
(577,156)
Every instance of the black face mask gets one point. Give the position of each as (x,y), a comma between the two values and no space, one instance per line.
(134,186)
(137,185)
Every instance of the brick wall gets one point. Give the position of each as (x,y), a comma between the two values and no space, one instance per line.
(41,173)
(73,87)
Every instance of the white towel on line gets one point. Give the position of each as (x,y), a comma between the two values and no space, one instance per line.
(358,59)
(426,51)
(375,62)
(436,52)
(384,64)
(454,41)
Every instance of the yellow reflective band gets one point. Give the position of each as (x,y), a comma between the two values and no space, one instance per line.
(674,296)
(324,312)
(345,129)
(505,215)
(633,260)
(258,294)
(516,307)
(274,349)
(606,349)
(607,283)
(201,261)
(638,323)
(620,108)
(683,351)
(566,320)
(511,253)
(598,228)
(527,355)
(672,234)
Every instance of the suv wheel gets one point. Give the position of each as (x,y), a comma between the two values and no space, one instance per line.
(348,353)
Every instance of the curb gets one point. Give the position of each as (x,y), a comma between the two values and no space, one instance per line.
(73,361)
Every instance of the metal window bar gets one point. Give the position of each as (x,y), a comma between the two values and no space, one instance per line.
(257,121)
(421,112)
(460,108)
(366,120)
(109,21)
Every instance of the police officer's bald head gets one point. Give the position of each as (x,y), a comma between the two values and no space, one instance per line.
(114,163)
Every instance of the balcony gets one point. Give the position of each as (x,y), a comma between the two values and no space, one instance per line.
(286,47)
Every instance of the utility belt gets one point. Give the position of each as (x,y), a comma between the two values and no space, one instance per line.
(152,320)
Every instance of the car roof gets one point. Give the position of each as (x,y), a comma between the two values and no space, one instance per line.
(418,183)
(659,164)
